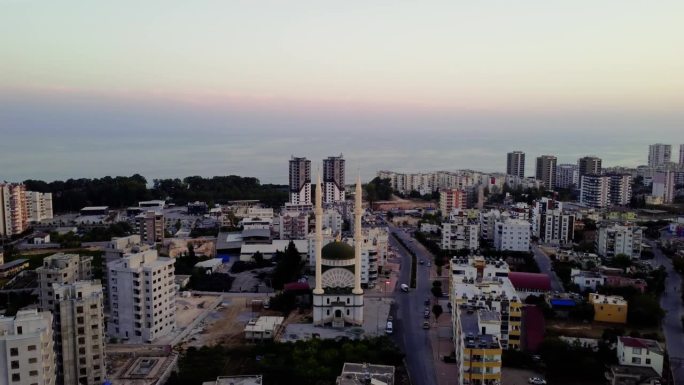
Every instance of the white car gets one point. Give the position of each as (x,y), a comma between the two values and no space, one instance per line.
(536,381)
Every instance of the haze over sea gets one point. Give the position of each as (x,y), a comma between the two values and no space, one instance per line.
(70,137)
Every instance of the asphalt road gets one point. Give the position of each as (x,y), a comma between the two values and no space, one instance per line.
(544,264)
(409,334)
(671,302)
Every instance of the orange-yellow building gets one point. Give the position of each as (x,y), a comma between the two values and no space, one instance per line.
(609,308)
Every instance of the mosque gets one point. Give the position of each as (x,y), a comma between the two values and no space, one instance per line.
(338,296)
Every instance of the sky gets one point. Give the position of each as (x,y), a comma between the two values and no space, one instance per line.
(175,88)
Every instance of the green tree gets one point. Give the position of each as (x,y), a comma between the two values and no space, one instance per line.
(644,311)
(437,311)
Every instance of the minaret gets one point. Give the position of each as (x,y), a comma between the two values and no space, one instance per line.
(318,211)
(358,240)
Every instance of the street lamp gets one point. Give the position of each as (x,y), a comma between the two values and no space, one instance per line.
(385,289)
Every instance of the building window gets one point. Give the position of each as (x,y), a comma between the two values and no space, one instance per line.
(636,360)
(16,377)
(636,350)
(15,365)
(14,352)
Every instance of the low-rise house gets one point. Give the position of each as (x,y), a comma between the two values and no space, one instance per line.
(632,375)
(362,374)
(641,352)
(263,328)
(236,380)
(40,238)
(620,281)
(13,268)
(609,308)
(586,280)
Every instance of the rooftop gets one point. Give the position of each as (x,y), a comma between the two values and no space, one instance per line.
(354,373)
(471,332)
(607,299)
(651,345)
(530,281)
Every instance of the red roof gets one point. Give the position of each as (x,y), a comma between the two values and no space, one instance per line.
(530,281)
(296,286)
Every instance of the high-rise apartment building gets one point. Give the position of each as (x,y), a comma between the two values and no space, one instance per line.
(515,163)
(300,181)
(614,239)
(14,211)
(512,234)
(567,175)
(659,154)
(27,354)
(77,306)
(39,206)
(450,199)
(589,165)
(460,232)
(141,293)
(546,170)
(681,155)
(663,186)
(477,346)
(79,333)
(557,227)
(600,191)
(333,179)
(150,225)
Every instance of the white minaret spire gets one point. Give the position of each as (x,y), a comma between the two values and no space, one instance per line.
(358,239)
(318,211)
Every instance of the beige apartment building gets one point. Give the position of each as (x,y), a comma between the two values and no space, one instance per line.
(27,353)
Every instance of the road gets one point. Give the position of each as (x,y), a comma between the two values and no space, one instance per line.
(671,302)
(410,336)
(544,264)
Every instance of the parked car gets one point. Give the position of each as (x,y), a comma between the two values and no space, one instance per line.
(421,262)
(426,325)
(427,301)
(536,381)
(429,264)
(426,314)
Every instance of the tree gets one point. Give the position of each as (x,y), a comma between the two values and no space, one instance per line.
(644,311)
(437,310)
(622,261)
(258,258)
(288,267)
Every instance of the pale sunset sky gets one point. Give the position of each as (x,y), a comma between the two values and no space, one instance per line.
(176,88)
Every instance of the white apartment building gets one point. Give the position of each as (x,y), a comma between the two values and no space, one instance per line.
(333,179)
(600,191)
(641,352)
(512,234)
(488,221)
(332,219)
(482,283)
(460,233)
(39,206)
(614,239)
(557,227)
(663,186)
(142,297)
(300,181)
(79,332)
(567,175)
(62,269)
(659,154)
(586,280)
(27,354)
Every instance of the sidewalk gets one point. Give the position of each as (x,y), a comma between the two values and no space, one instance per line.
(440,339)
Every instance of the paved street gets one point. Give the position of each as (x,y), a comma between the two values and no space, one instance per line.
(671,302)
(410,336)
(544,264)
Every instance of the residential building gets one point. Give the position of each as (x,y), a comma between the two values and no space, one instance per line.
(663,186)
(609,308)
(557,227)
(79,333)
(293,225)
(39,206)
(460,233)
(681,154)
(477,346)
(450,199)
(620,189)
(567,176)
(659,154)
(12,268)
(620,281)
(236,380)
(300,181)
(482,283)
(589,165)
(546,170)
(76,303)
(14,213)
(141,292)
(488,221)
(332,219)
(27,354)
(595,190)
(515,164)
(513,235)
(333,179)
(264,328)
(150,226)
(641,352)
(364,374)
(586,280)
(632,375)
(614,239)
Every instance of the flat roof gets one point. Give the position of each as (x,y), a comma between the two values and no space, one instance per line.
(95,208)
(470,326)
(12,264)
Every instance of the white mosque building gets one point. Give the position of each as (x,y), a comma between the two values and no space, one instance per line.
(338,296)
